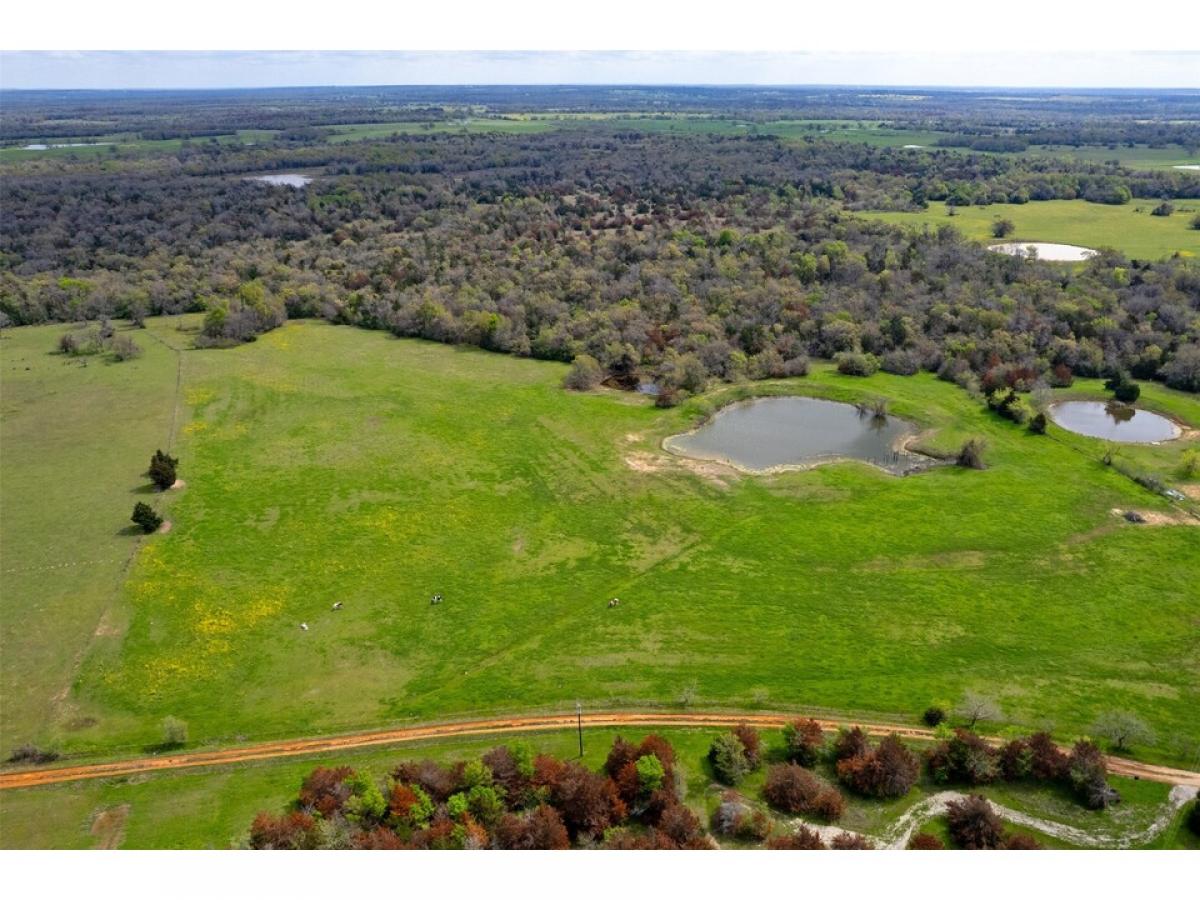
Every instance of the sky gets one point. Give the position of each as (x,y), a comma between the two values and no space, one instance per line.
(234,69)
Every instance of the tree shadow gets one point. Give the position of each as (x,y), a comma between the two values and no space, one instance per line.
(145,489)
(131,531)
(163,747)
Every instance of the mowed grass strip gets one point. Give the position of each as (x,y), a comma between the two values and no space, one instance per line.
(328,464)
(1129,228)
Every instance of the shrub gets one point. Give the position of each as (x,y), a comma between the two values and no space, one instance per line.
(751,743)
(124,348)
(964,759)
(326,790)
(649,773)
(735,818)
(851,742)
(801,839)
(1003,228)
(1123,387)
(1196,222)
(1163,209)
(1193,819)
(901,362)
(803,741)
(585,374)
(291,831)
(860,364)
(848,841)
(923,841)
(145,517)
(174,731)
(1189,464)
(162,469)
(973,824)
(794,790)
(1037,425)
(1013,841)
(934,716)
(728,758)
(890,770)
(539,829)
(970,455)
(437,781)
(28,753)
(1087,774)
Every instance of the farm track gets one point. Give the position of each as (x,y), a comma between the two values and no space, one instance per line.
(505,725)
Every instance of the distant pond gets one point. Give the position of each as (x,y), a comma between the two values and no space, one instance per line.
(1113,421)
(288,179)
(795,432)
(1044,250)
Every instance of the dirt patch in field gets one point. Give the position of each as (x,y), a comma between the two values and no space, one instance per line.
(179,484)
(1153,517)
(164,527)
(714,473)
(1191,490)
(108,827)
(105,627)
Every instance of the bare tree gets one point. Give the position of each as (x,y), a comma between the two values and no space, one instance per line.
(977,707)
(1122,728)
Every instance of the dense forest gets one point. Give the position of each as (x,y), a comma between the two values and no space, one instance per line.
(676,258)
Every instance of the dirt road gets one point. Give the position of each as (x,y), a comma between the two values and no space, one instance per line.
(509,725)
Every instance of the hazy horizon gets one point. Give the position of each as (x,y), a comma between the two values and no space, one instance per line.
(241,70)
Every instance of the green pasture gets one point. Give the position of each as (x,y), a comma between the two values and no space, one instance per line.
(213,808)
(1129,228)
(330,464)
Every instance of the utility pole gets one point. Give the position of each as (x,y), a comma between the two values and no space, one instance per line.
(579,722)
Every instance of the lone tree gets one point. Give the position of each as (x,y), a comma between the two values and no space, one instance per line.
(1122,728)
(585,373)
(971,454)
(162,469)
(1003,228)
(1123,387)
(976,707)
(175,731)
(146,517)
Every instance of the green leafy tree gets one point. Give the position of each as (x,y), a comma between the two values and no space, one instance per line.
(728,757)
(145,517)
(162,469)
(174,731)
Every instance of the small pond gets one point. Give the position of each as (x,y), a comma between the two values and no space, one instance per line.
(774,432)
(290,179)
(1113,421)
(1191,168)
(1051,252)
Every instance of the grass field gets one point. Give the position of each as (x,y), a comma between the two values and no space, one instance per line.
(1129,228)
(213,808)
(327,464)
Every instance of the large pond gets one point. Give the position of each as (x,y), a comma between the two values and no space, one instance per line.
(289,179)
(1044,250)
(1113,421)
(776,432)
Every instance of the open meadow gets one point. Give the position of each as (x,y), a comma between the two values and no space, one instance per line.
(328,464)
(1129,228)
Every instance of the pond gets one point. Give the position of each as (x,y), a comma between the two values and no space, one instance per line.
(1113,421)
(1191,168)
(290,179)
(795,432)
(1047,251)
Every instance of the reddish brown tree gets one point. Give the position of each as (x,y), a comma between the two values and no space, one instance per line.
(850,743)
(752,742)
(325,790)
(540,829)
(848,841)
(801,839)
(438,781)
(803,741)
(588,803)
(923,841)
(621,754)
(291,831)
(1014,841)
(379,838)
(973,824)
